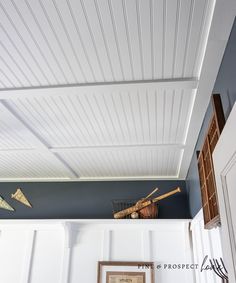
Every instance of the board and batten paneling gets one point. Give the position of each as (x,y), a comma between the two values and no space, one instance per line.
(205,243)
(35,251)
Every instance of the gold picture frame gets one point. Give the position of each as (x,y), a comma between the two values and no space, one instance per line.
(125,272)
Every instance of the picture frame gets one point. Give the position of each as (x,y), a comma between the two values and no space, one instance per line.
(125,272)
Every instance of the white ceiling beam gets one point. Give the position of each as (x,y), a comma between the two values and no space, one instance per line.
(41,144)
(116,147)
(110,87)
(94,148)
(91,179)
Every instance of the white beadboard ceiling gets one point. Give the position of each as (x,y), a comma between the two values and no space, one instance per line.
(106,89)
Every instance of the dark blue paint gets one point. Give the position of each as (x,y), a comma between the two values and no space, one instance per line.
(89,199)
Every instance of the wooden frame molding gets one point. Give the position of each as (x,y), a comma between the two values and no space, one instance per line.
(101,264)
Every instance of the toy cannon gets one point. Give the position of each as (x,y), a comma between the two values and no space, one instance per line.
(144,203)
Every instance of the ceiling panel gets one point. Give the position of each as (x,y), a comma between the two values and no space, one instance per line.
(14,135)
(141,117)
(124,163)
(66,42)
(106,88)
(30,165)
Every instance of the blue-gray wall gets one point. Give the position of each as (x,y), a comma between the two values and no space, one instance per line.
(225,85)
(89,199)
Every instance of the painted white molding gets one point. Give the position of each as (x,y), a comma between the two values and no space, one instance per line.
(68,234)
(116,147)
(78,224)
(65,260)
(94,148)
(195,255)
(65,274)
(210,243)
(146,245)
(188,251)
(205,242)
(106,245)
(86,179)
(179,83)
(28,257)
(68,246)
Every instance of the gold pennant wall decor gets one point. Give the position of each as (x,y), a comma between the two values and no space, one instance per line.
(5,205)
(19,196)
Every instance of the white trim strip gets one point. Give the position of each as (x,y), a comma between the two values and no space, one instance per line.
(110,87)
(28,260)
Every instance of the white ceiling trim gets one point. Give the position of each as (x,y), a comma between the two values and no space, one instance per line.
(117,147)
(106,88)
(92,179)
(93,148)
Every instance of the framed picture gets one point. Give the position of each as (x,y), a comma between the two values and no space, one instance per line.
(125,272)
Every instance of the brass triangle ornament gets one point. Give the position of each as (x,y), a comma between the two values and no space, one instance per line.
(19,196)
(5,205)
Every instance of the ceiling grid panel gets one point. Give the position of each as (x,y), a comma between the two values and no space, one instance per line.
(171,14)
(176,35)
(23,10)
(92,21)
(45,45)
(76,64)
(13,134)
(203,37)
(103,89)
(117,43)
(195,31)
(85,132)
(9,73)
(5,81)
(86,39)
(48,39)
(36,165)
(181,36)
(13,65)
(19,33)
(102,120)
(63,43)
(129,118)
(185,115)
(186,46)
(93,118)
(62,39)
(157,18)
(116,163)
(107,39)
(28,113)
(132,26)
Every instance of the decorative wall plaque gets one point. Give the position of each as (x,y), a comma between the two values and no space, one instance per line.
(5,205)
(19,196)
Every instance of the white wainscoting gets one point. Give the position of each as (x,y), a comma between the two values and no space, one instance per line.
(53,251)
(205,242)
